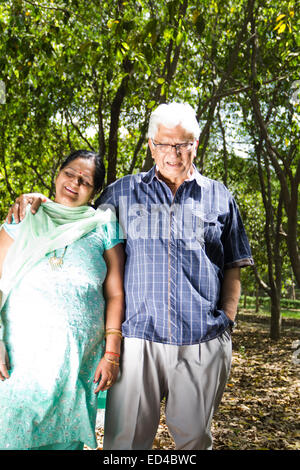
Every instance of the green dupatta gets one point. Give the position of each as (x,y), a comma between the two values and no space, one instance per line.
(54,226)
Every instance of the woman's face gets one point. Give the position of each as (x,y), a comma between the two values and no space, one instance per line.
(75,183)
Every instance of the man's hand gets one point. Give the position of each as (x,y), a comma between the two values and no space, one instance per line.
(18,208)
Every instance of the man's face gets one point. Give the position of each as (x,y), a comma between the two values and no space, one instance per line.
(173,164)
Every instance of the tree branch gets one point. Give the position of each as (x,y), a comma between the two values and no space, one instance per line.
(139,144)
(204,136)
(225,153)
(79,131)
(38,5)
(260,282)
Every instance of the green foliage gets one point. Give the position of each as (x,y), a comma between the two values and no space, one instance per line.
(87,75)
(265,301)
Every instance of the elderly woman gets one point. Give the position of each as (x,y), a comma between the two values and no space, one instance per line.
(62,308)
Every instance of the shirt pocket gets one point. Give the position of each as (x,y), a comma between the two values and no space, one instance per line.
(206,226)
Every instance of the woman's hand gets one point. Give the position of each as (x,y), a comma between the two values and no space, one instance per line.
(106,373)
(4,362)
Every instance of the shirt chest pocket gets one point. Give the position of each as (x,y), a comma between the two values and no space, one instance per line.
(207,227)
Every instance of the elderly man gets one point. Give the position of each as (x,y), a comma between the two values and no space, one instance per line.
(185,245)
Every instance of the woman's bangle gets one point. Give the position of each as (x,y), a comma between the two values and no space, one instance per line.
(113,353)
(117,332)
(111,362)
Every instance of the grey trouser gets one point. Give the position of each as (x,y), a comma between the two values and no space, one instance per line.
(191,378)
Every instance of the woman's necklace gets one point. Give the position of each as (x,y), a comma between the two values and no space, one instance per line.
(56,262)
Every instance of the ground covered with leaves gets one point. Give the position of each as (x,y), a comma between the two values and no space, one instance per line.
(260,406)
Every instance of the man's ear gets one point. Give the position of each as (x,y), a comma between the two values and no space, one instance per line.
(151,147)
(196,146)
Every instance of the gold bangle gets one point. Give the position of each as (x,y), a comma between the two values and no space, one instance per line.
(118,333)
(111,362)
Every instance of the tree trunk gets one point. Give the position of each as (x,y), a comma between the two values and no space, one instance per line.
(292,239)
(275,327)
(290,196)
(114,123)
(256,300)
(225,153)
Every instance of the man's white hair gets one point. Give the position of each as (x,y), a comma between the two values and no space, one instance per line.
(171,115)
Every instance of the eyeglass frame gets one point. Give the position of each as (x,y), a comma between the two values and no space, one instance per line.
(178,147)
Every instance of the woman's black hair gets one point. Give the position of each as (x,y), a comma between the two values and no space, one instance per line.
(99,165)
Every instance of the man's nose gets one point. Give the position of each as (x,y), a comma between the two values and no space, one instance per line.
(177,150)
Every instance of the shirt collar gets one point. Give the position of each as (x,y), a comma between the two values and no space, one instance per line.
(200,179)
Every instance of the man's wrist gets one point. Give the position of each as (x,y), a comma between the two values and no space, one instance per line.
(232,325)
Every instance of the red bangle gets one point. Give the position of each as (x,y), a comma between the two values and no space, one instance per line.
(113,353)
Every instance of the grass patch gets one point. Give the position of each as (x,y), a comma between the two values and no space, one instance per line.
(265,311)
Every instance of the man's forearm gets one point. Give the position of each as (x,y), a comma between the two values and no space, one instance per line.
(230,293)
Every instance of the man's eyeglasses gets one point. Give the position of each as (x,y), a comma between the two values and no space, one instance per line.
(167,148)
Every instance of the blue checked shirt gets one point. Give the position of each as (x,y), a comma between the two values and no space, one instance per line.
(177,249)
